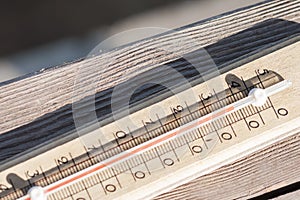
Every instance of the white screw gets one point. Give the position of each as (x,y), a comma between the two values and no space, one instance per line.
(37,193)
(260,96)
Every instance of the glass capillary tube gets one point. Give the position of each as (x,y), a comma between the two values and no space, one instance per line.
(256,97)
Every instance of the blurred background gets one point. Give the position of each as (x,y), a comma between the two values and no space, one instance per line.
(38,34)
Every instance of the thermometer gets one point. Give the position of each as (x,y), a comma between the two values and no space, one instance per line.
(182,140)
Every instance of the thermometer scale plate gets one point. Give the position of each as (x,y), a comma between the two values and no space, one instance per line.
(180,159)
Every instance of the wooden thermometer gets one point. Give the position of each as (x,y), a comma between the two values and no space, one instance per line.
(166,140)
(258,106)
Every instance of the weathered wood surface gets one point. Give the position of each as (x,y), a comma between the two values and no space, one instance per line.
(38,107)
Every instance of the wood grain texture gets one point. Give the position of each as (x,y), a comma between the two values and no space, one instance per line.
(38,107)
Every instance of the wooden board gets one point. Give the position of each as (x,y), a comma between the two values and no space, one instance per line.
(38,106)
